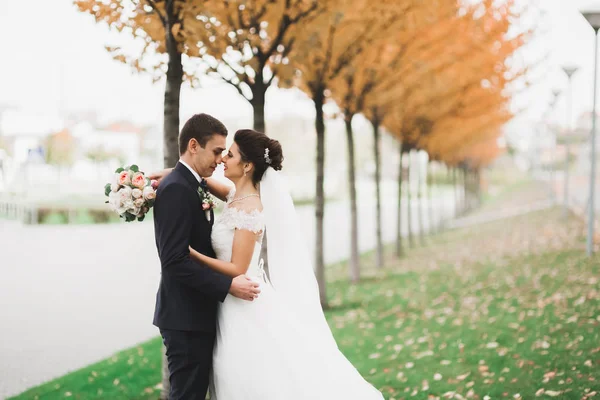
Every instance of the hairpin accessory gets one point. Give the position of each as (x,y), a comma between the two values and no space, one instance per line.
(267,159)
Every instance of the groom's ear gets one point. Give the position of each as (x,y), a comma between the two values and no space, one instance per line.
(193,146)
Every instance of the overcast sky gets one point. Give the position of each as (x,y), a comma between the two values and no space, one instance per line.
(53,57)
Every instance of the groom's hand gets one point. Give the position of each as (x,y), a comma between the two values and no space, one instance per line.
(244,288)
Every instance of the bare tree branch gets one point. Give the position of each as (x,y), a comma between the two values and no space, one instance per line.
(163,19)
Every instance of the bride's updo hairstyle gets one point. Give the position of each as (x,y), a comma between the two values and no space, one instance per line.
(260,150)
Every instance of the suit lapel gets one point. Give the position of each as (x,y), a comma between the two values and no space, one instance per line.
(187,174)
(191,179)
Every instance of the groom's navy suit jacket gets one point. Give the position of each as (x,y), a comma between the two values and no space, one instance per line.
(189,291)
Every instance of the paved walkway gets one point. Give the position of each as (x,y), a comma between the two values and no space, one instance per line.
(482,218)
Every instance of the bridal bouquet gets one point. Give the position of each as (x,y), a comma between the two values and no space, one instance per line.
(131,194)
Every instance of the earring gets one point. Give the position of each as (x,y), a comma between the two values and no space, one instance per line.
(245,172)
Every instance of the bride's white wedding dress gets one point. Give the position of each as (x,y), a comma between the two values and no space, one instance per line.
(271,348)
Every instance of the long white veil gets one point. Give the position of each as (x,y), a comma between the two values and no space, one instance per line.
(290,269)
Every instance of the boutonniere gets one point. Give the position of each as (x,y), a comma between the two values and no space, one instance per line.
(208,201)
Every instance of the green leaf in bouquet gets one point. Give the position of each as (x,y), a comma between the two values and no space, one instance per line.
(107,189)
(129,217)
(134,168)
(141,218)
(119,170)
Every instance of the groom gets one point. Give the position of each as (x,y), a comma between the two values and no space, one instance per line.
(188,293)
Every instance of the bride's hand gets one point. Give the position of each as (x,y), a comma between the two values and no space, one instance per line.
(160,175)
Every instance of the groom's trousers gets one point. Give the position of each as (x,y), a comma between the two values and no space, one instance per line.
(189,356)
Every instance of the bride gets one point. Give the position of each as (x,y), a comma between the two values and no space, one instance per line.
(278,347)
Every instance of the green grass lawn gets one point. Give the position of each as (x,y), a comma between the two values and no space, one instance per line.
(507,309)
(528,325)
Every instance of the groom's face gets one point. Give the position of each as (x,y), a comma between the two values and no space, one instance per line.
(206,159)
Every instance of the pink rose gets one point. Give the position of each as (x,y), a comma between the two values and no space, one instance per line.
(154,184)
(124,178)
(139,202)
(205,206)
(138,180)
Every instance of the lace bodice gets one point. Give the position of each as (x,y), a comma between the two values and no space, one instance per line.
(224,229)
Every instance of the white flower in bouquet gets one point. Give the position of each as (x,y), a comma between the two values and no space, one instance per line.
(128,205)
(125,193)
(149,193)
(114,199)
(139,202)
(136,193)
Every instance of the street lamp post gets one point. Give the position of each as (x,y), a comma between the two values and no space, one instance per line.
(593,18)
(546,118)
(556,94)
(569,71)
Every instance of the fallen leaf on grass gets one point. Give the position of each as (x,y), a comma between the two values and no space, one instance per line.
(463,376)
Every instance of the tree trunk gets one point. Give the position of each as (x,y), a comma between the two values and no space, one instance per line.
(456,193)
(463,189)
(461,192)
(421,203)
(377,157)
(259,92)
(429,180)
(411,239)
(319,99)
(566,183)
(354,260)
(399,249)
(472,189)
(171,129)
(447,183)
(479,188)
(172,96)
(467,205)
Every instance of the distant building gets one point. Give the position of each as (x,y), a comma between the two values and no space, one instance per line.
(24,133)
(123,141)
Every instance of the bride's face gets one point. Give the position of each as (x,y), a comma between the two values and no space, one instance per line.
(233,164)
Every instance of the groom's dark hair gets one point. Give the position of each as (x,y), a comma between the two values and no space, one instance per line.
(201,127)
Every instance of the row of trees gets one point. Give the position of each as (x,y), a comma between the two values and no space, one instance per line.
(436,74)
